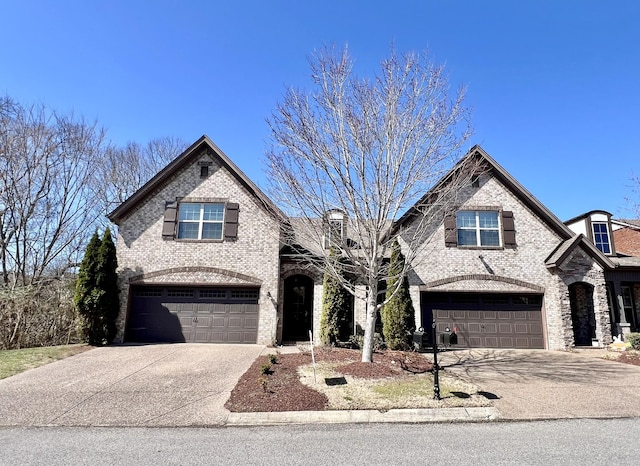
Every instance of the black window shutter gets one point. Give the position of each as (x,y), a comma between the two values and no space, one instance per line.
(450,231)
(508,229)
(231,221)
(170,216)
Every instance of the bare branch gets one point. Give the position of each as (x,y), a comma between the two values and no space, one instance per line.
(368,149)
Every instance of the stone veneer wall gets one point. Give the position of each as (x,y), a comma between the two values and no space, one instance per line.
(252,259)
(581,268)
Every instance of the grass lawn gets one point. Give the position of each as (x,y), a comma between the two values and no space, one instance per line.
(15,361)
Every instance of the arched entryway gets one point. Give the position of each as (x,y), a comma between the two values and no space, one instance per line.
(583,316)
(297,308)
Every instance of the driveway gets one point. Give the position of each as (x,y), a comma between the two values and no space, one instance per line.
(150,385)
(531,384)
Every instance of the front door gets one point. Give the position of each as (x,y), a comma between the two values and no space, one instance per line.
(298,308)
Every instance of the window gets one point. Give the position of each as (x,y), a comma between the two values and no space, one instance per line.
(200,221)
(335,228)
(601,237)
(478,228)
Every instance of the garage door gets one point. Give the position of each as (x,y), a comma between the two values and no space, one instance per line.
(486,320)
(194,315)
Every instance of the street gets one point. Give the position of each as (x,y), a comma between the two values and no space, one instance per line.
(544,442)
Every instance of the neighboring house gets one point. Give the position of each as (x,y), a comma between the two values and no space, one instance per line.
(202,258)
(626,235)
(619,240)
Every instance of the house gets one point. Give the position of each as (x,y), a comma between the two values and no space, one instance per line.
(202,258)
(626,235)
(198,254)
(620,242)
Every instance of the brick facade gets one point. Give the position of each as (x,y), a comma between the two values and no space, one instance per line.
(252,259)
(518,269)
(627,241)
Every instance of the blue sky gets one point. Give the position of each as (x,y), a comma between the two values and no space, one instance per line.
(554,84)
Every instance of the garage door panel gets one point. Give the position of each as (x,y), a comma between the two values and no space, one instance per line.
(193,315)
(505,328)
(484,320)
(521,328)
(506,342)
(491,342)
(235,322)
(490,327)
(473,327)
(235,336)
(535,329)
(251,322)
(218,322)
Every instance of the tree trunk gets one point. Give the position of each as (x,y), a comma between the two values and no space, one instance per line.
(370,324)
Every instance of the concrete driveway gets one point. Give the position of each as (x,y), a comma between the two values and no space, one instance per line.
(531,384)
(152,385)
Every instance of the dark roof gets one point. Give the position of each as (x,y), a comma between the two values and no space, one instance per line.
(630,223)
(565,248)
(187,157)
(587,214)
(506,179)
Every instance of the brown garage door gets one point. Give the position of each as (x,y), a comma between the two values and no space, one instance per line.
(486,320)
(194,315)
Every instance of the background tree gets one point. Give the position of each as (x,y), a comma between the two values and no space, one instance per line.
(335,307)
(369,148)
(142,162)
(398,314)
(108,305)
(88,295)
(48,191)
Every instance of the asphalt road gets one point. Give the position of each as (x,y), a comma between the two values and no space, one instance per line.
(565,442)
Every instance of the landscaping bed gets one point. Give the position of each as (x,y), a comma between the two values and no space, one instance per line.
(395,379)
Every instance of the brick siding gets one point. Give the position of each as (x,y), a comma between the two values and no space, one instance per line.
(252,259)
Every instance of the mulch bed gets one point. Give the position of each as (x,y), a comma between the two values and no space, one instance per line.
(281,389)
(629,358)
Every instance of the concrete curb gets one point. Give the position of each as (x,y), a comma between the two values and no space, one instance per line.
(365,416)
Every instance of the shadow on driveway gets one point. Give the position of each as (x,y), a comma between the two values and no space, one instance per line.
(538,384)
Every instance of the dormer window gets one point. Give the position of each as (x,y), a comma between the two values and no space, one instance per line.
(601,237)
(335,228)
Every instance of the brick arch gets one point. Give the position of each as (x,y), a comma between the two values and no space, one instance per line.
(195,269)
(585,279)
(482,277)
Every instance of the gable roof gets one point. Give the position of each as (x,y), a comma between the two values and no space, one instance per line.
(188,156)
(564,249)
(490,165)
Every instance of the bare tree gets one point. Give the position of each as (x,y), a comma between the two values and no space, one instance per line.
(357,154)
(125,169)
(47,190)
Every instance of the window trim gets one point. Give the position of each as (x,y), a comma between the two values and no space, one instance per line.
(201,221)
(478,229)
(608,233)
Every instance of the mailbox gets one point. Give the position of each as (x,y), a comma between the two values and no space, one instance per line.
(421,339)
(448,338)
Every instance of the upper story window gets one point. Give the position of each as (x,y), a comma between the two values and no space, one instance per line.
(478,228)
(601,237)
(335,228)
(201,221)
